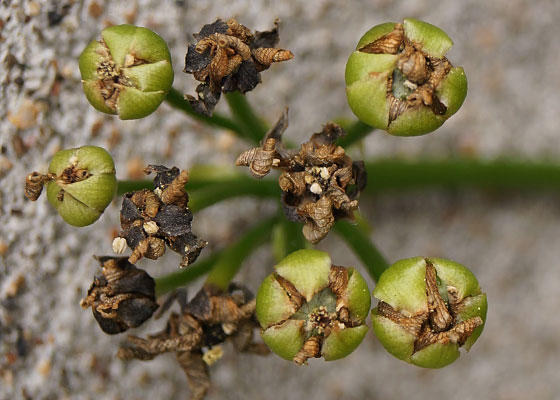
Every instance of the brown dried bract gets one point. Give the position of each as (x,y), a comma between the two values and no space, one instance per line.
(316,181)
(209,319)
(440,323)
(154,219)
(34,183)
(414,81)
(122,297)
(260,159)
(311,349)
(228,57)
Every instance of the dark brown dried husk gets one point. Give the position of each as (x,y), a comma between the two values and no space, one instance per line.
(167,207)
(122,297)
(229,58)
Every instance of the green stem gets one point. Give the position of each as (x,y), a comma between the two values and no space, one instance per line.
(359,242)
(287,237)
(242,186)
(176,100)
(231,259)
(355,132)
(384,175)
(244,115)
(180,278)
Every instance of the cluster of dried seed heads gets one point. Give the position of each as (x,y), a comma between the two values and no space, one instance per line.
(152,219)
(209,319)
(416,77)
(439,324)
(229,57)
(122,297)
(315,180)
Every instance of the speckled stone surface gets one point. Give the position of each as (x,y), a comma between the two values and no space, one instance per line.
(51,349)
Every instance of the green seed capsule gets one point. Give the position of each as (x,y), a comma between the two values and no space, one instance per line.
(399,80)
(428,308)
(310,308)
(128,72)
(84,184)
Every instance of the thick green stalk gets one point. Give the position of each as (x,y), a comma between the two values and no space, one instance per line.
(231,259)
(359,242)
(176,100)
(387,175)
(384,175)
(244,115)
(180,278)
(242,186)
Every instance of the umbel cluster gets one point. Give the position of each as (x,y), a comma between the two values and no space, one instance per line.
(398,80)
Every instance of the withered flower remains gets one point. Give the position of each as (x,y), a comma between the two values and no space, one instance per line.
(210,318)
(122,297)
(152,219)
(229,57)
(315,180)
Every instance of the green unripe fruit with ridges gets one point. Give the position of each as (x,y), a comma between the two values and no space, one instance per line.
(310,308)
(428,308)
(399,80)
(83,184)
(128,72)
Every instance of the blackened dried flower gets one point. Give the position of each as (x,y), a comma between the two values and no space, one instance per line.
(210,318)
(320,182)
(122,297)
(229,57)
(152,219)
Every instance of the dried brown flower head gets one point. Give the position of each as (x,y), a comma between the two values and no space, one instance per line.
(122,297)
(206,321)
(320,182)
(152,219)
(228,57)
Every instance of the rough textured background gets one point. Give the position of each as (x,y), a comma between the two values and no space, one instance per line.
(51,349)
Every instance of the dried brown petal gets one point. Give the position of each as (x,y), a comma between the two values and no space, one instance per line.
(311,349)
(457,334)
(267,56)
(386,44)
(259,159)
(320,219)
(440,317)
(412,324)
(34,184)
(206,321)
(197,372)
